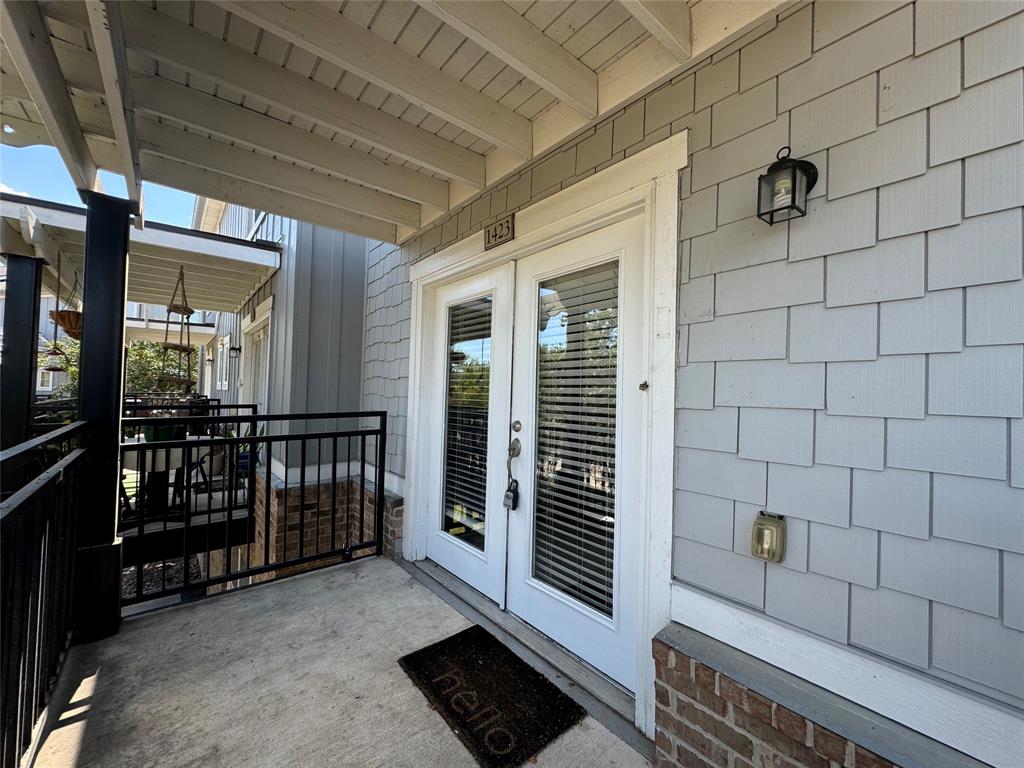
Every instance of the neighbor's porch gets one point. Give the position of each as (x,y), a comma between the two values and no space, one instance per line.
(301,672)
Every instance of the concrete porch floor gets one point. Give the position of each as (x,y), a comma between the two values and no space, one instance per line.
(301,672)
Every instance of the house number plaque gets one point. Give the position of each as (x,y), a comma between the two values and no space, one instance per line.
(500,231)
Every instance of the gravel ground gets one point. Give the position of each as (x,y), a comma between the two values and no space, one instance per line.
(153,575)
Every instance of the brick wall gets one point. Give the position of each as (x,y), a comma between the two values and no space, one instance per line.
(861,370)
(292,536)
(706,719)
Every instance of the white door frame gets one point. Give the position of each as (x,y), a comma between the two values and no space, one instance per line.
(258,319)
(647,185)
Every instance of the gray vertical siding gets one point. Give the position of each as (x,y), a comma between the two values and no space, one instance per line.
(316,323)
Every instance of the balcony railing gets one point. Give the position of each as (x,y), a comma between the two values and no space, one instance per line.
(37,540)
(216,502)
(208,503)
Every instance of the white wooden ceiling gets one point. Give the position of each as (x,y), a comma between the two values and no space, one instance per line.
(372,116)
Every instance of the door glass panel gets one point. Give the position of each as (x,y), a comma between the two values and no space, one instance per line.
(574,512)
(467,394)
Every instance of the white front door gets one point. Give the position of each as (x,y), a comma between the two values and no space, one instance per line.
(572,542)
(553,371)
(468,370)
(255,382)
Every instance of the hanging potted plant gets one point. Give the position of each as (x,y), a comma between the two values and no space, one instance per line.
(68,319)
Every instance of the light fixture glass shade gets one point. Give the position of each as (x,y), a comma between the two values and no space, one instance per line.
(782,190)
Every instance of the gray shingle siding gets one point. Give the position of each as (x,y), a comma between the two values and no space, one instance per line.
(385,381)
(894,394)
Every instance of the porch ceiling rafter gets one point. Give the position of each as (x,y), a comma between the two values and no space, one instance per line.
(220,186)
(167,39)
(162,97)
(166,98)
(47,249)
(105,23)
(162,139)
(323,31)
(498,28)
(213,183)
(28,41)
(668,23)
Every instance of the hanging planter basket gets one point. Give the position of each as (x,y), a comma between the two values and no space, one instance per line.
(70,320)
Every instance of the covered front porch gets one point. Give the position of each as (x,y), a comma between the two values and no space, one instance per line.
(301,672)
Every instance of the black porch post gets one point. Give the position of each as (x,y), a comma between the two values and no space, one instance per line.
(21,348)
(97,600)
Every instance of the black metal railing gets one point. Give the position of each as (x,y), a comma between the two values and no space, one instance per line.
(52,413)
(188,408)
(215,502)
(38,521)
(143,400)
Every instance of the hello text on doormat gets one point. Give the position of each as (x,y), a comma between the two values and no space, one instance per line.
(502,709)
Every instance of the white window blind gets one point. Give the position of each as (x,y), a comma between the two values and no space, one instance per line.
(574,515)
(467,396)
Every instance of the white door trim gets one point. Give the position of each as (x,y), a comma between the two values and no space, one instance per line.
(645,184)
(258,319)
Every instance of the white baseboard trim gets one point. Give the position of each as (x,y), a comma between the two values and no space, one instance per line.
(988,732)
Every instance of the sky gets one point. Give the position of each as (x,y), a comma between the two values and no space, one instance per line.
(39,172)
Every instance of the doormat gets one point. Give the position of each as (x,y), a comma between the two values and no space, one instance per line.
(502,709)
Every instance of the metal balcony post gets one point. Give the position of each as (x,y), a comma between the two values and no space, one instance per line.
(21,347)
(97,601)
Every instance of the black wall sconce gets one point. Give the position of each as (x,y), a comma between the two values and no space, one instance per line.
(782,189)
(234,352)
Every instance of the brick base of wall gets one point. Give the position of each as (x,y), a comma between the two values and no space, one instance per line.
(708,720)
(292,535)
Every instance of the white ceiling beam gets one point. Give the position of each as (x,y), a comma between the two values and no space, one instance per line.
(323,31)
(668,21)
(28,41)
(219,186)
(497,28)
(167,39)
(160,139)
(169,270)
(166,98)
(201,181)
(224,305)
(192,148)
(105,23)
(43,247)
(230,275)
(196,288)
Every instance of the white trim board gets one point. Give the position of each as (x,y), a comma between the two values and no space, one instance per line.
(344,470)
(988,732)
(646,185)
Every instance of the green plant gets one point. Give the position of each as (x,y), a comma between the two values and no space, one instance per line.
(144,364)
(142,367)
